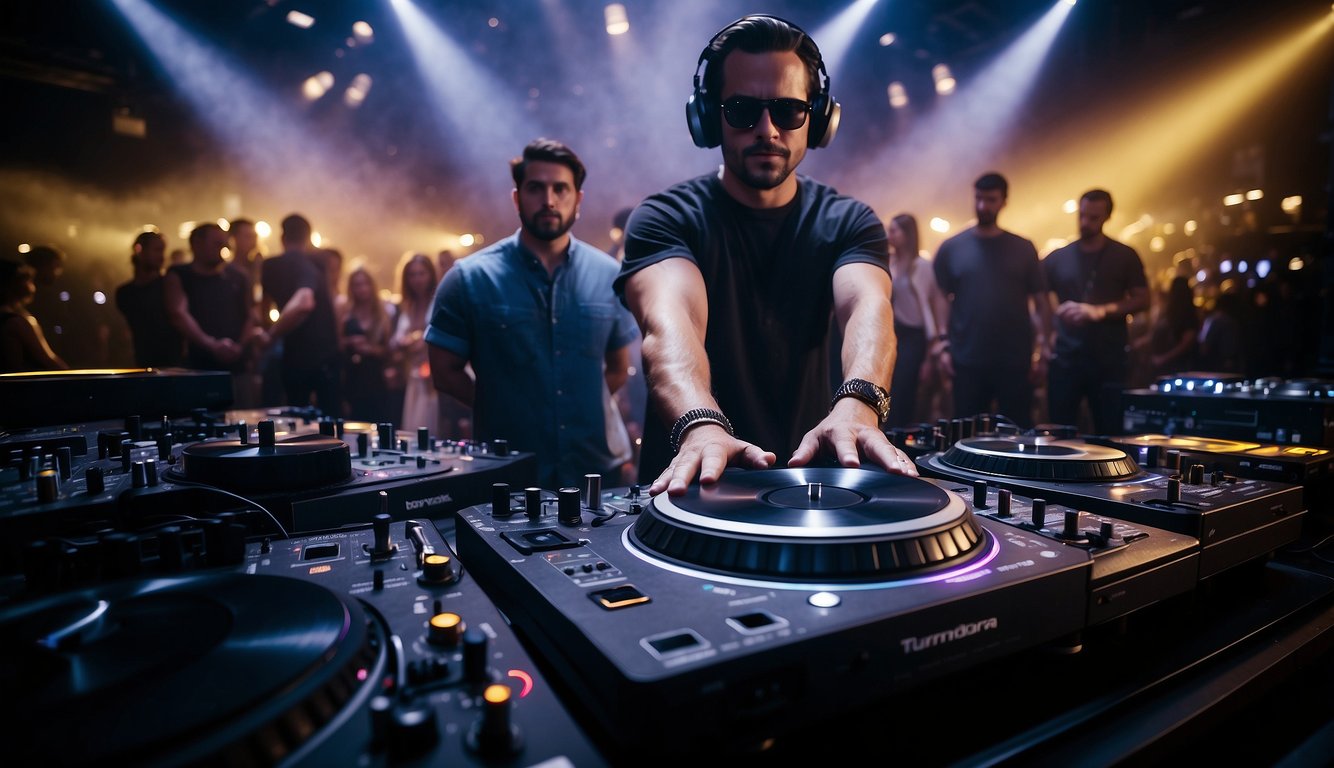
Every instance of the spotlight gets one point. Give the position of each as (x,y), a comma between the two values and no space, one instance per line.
(898,95)
(25,247)
(887,39)
(1295,263)
(1255,194)
(1156,244)
(618,22)
(263,229)
(1191,226)
(1070,206)
(1234,199)
(944,79)
(1262,268)
(299,19)
(466,240)
(1225,266)
(939,225)
(363,33)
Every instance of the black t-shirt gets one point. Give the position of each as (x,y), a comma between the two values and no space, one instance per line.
(1102,277)
(157,343)
(314,342)
(768,275)
(991,279)
(219,303)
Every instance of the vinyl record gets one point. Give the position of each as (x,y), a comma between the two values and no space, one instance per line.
(1041,458)
(826,525)
(294,464)
(230,668)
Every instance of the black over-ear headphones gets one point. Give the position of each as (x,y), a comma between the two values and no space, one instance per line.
(704,108)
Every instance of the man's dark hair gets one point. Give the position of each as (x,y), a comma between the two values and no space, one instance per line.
(144,239)
(1099,196)
(197,234)
(238,223)
(42,255)
(296,229)
(548,151)
(761,34)
(12,276)
(992,180)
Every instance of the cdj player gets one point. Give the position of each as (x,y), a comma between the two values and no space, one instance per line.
(722,618)
(1235,519)
(303,471)
(1219,406)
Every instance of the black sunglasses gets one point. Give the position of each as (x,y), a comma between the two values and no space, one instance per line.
(743,112)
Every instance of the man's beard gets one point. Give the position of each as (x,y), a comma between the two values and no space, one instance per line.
(768,179)
(543,227)
(986,219)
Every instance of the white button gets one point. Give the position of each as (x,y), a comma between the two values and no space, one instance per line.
(824,600)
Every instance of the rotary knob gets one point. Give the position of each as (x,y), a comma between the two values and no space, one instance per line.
(446,629)
(437,569)
(495,735)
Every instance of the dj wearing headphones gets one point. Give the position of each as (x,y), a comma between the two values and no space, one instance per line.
(733,278)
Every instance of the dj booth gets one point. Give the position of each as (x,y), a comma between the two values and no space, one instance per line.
(186,584)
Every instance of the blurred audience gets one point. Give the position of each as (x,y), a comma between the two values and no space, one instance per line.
(417,280)
(23,345)
(157,342)
(366,329)
(918,307)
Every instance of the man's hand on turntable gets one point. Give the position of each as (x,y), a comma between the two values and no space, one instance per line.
(706,451)
(851,432)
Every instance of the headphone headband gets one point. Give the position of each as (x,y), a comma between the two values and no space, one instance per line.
(703,109)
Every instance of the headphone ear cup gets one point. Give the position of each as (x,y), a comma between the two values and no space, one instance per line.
(702,118)
(825,114)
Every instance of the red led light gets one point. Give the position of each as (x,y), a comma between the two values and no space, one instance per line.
(526,678)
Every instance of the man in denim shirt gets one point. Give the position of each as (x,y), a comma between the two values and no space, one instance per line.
(535,318)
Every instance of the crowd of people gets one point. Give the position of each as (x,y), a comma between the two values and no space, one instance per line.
(772,315)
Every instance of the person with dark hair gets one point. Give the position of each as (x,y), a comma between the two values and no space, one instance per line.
(536,319)
(994,282)
(209,304)
(918,307)
(1221,349)
(733,277)
(157,343)
(23,346)
(294,282)
(1173,331)
(52,304)
(1096,283)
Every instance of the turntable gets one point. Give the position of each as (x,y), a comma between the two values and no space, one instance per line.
(1234,519)
(770,599)
(240,670)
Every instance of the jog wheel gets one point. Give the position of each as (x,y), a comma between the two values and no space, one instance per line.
(812,525)
(1040,458)
(216,669)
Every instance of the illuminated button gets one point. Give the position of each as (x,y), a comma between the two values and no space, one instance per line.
(623,596)
(824,600)
(446,629)
(436,569)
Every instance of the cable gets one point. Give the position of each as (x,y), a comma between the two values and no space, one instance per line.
(238,497)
